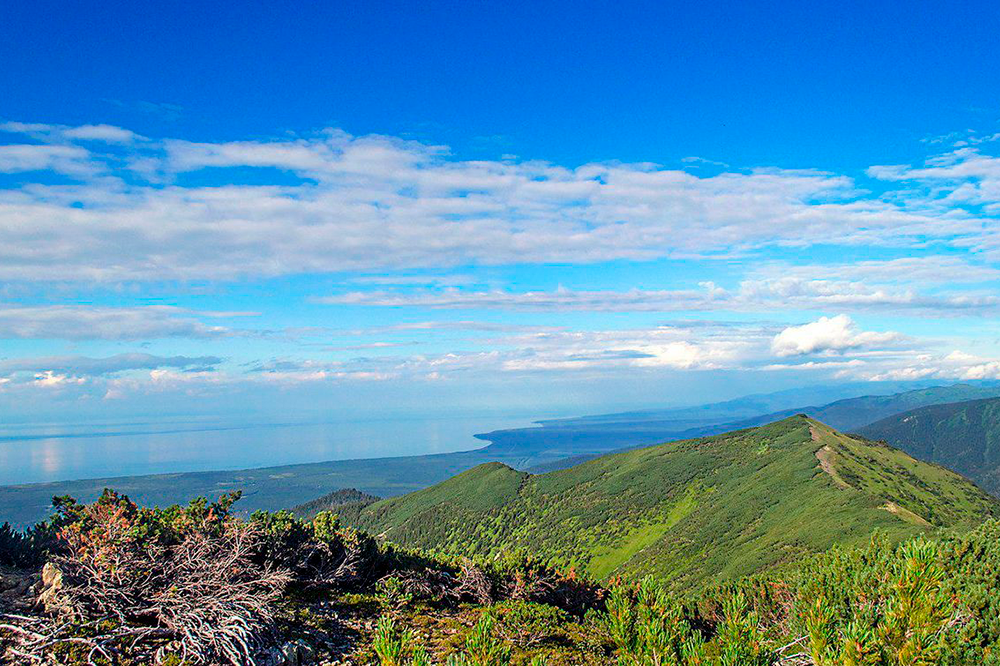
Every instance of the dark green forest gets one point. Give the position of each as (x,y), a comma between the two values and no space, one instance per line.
(964,436)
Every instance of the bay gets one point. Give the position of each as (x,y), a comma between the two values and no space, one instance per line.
(57,452)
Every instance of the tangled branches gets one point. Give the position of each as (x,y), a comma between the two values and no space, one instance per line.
(320,553)
(124,584)
(508,578)
(215,598)
(35,636)
(192,579)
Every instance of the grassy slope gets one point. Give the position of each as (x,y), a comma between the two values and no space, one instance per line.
(727,505)
(964,436)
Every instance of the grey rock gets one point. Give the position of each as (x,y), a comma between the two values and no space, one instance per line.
(292,653)
(275,657)
(51,598)
(307,653)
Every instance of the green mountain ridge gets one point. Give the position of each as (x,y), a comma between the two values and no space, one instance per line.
(964,436)
(717,507)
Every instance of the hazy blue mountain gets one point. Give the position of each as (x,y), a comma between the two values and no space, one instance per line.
(583,438)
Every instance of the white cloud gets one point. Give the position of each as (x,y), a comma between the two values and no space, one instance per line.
(49,379)
(377,203)
(68,160)
(538,349)
(929,269)
(829,348)
(757,294)
(59,370)
(828,334)
(694,160)
(840,366)
(957,365)
(561,299)
(963,182)
(459,325)
(78,322)
(107,133)
(409,215)
(50,133)
(420,280)
(970,366)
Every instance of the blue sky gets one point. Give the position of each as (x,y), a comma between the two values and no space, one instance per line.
(273,211)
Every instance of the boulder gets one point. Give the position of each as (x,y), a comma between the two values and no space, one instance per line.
(51,575)
(51,599)
(292,653)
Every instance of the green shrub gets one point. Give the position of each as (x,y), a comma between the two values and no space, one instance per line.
(526,623)
(393,593)
(740,638)
(27,549)
(878,606)
(648,626)
(920,603)
(394,646)
(483,647)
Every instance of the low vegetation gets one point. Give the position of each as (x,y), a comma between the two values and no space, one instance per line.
(196,585)
(343,502)
(114,584)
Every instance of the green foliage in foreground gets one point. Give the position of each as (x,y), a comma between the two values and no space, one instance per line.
(647,626)
(922,602)
(933,599)
(690,512)
(24,549)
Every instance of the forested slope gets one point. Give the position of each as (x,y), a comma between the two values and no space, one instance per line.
(721,507)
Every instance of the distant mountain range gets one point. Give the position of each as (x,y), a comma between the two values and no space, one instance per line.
(963,436)
(749,405)
(718,507)
(571,441)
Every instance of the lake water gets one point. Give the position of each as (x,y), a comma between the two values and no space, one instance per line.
(35,453)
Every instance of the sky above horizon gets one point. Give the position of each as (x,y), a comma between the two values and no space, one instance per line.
(551,208)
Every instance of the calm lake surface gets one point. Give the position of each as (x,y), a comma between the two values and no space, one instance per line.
(36,453)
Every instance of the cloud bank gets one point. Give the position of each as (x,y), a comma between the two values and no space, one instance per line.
(438,245)
(371,203)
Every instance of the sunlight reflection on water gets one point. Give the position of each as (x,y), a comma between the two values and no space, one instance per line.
(34,453)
